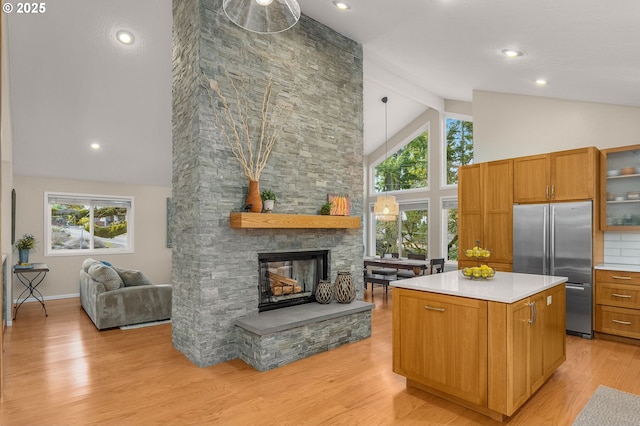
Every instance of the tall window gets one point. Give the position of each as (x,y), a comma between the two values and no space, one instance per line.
(405,169)
(84,224)
(449,218)
(409,234)
(459,143)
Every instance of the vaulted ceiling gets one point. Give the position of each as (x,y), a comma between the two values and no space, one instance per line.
(73,84)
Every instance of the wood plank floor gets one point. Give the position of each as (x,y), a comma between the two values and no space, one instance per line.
(61,370)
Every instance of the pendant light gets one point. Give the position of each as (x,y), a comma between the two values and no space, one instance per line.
(263,16)
(386,208)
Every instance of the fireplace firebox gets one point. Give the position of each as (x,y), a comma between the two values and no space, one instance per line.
(290,278)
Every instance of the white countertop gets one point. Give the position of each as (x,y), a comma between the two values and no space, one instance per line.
(506,287)
(618,267)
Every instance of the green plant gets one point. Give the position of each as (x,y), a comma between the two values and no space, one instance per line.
(326,208)
(268,195)
(27,242)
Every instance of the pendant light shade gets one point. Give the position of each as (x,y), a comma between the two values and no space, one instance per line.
(386,208)
(263,16)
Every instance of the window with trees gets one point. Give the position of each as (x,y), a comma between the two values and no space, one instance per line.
(88,224)
(449,218)
(409,234)
(406,168)
(459,142)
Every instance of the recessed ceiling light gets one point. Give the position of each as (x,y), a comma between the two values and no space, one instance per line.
(125,37)
(264,2)
(541,82)
(511,53)
(95,146)
(341,5)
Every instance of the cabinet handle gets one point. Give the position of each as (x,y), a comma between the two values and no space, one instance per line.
(546,192)
(553,192)
(626,296)
(431,308)
(618,277)
(621,322)
(534,312)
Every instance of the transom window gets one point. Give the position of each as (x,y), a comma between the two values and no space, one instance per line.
(88,224)
(406,169)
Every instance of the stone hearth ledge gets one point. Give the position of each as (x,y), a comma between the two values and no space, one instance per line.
(275,338)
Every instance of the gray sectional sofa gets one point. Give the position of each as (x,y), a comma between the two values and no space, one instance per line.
(113,296)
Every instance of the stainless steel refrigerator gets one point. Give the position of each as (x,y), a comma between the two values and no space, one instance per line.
(556,239)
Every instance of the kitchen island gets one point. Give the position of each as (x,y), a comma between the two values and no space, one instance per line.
(487,345)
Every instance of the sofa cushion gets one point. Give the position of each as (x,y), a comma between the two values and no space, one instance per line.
(87,263)
(132,277)
(105,275)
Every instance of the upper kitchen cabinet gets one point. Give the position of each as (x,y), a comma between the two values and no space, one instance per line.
(620,180)
(485,212)
(558,176)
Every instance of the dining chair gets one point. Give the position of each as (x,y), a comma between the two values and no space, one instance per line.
(410,274)
(437,266)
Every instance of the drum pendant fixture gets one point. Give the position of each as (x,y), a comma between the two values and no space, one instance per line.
(386,208)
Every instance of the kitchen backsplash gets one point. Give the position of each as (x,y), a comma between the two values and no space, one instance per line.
(622,247)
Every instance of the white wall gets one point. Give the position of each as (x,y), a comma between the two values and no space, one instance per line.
(507,125)
(151,254)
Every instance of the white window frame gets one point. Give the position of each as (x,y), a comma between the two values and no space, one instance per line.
(88,199)
(372,167)
(443,144)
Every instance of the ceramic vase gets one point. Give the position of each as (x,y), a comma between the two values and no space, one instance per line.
(324,292)
(253,197)
(23,256)
(343,290)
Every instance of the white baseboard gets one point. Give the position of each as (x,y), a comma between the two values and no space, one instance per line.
(58,296)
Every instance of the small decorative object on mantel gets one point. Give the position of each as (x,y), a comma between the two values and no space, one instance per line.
(325,210)
(343,290)
(24,245)
(268,200)
(251,139)
(324,292)
(340,204)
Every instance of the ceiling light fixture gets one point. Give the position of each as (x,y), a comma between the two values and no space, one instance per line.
(541,82)
(263,16)
(511,53)
(341,5)
(125,37)
(95,146)
(386,208)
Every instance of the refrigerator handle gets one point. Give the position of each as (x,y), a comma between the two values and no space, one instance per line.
(552,239)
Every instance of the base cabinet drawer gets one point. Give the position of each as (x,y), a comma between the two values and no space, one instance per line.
(621,295)
(617,277)
(618,321)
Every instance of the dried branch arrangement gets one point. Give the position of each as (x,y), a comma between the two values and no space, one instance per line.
(234,121)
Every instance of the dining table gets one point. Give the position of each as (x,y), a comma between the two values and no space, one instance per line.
(417,266)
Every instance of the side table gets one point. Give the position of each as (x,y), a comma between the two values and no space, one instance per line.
(30,278)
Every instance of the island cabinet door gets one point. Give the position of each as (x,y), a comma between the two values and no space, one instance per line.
(526,342)
(440,342)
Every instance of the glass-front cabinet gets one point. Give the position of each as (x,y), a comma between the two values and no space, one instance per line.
(621,188)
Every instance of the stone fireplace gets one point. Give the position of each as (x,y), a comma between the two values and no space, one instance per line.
(290,278)
(216,268)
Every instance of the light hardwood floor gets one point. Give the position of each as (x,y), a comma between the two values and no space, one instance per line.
(61,370)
